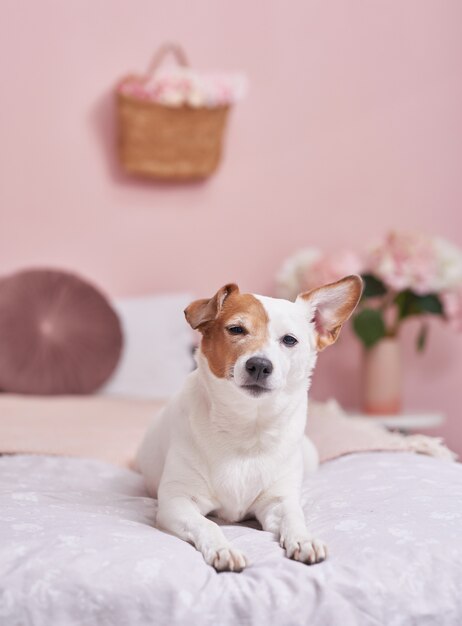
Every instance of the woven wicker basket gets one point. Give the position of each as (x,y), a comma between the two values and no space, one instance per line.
(169,143)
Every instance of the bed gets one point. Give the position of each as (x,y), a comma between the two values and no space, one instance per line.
(79,547)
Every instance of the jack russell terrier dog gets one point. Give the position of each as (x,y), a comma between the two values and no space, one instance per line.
(232,443)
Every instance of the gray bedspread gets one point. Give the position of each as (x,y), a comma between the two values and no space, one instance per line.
(78,547)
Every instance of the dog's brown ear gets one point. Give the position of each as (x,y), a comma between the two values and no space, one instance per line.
(331,306)
(200,312)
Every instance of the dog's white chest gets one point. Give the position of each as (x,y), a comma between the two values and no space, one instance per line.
(237,483)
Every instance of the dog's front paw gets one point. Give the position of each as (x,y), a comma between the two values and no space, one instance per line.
(228,560)
(305,550)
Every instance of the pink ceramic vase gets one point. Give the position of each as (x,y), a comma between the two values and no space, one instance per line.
(382,387)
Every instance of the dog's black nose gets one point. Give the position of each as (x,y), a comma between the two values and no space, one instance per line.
(258,368)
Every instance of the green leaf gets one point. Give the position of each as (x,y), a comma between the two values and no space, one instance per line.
(422,337)
(369,326)
(406,303)
(430,304)
(373,287)
(410,303)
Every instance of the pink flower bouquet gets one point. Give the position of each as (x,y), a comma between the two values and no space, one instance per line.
(406,274)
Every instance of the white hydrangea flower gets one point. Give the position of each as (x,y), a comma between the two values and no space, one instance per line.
(449,265)
(289,280)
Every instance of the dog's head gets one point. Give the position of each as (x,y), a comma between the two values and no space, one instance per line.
(262,345)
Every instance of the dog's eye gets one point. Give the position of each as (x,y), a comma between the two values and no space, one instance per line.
(289,341)
(236,330)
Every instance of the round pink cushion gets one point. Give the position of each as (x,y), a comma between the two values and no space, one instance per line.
(58,334)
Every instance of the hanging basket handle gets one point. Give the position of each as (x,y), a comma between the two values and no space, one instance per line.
(168,48)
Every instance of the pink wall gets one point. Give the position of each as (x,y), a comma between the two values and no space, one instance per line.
(353,126)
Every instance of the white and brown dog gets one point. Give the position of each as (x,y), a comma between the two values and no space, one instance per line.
(232,443)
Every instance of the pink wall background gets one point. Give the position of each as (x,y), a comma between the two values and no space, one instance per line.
(353,126)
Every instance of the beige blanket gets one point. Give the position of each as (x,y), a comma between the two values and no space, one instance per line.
(110,428)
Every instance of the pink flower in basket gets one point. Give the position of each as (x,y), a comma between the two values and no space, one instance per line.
(181,85)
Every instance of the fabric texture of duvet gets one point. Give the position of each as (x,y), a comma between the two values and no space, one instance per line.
(79,547)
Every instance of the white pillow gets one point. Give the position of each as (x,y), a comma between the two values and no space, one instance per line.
(157,350)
